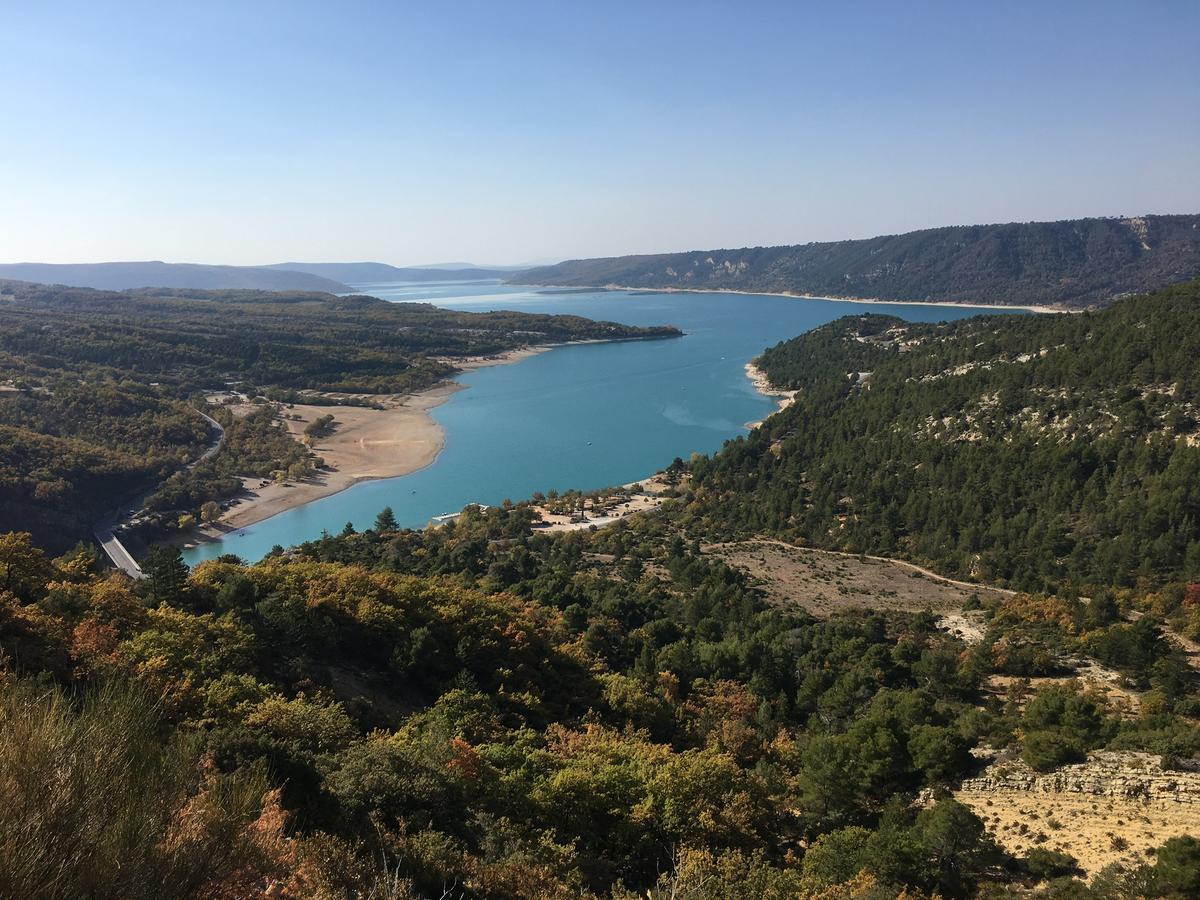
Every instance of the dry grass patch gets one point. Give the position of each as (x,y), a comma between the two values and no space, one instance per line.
(1114,808)
(824,583)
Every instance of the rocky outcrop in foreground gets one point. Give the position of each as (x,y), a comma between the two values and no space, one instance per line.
(1129,776)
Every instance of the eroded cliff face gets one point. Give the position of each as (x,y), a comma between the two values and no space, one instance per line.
(1113,808)
(1130,776)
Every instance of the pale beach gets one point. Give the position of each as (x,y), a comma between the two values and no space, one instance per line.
(762,384)
(391,437)
(870,301)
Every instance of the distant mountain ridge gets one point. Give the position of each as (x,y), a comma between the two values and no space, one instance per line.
(1075,263)
(123,276)
(366,272)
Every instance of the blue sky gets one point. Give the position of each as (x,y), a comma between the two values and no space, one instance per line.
(512,132)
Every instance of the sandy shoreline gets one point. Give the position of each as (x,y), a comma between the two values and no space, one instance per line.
(398,439)
(762,384)
(794,295)
(500,359)
(367,443)
(395,437)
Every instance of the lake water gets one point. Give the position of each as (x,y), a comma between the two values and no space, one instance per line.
(586,416)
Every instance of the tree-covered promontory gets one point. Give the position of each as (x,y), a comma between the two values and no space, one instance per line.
(1038,452)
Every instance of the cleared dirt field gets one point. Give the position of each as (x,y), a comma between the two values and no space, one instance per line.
(823,582)
(651,496)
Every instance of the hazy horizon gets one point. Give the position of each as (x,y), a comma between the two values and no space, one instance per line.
(548,261)
(515,135)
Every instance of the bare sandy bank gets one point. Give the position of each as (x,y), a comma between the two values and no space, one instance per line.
(510,356)
(499,359)
(798,296)
(397,438)
(393,437)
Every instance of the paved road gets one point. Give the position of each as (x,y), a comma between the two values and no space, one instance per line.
(118,554)
(105,529)
(216,445)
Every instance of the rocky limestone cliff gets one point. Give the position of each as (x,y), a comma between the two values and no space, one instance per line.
(1130,776)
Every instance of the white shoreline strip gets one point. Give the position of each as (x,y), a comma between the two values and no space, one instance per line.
(795,296)
(762,384)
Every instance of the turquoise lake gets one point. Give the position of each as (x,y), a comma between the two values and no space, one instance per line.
(586,416)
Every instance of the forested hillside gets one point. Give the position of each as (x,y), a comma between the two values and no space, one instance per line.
(95,386)
(122,276)
(320,341)
(489,712)
(1082,262)
(359,273)
(1034,451)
